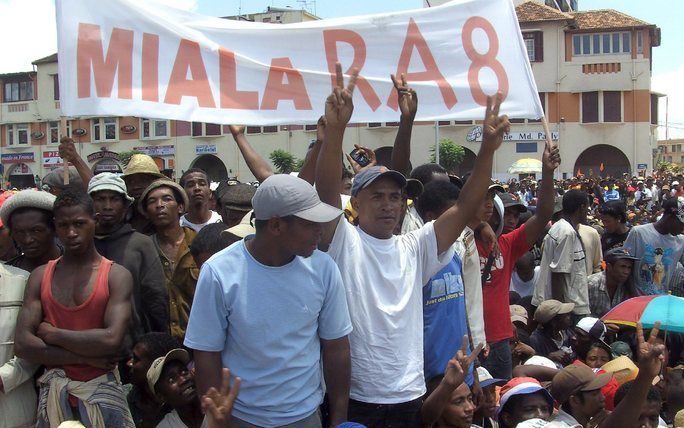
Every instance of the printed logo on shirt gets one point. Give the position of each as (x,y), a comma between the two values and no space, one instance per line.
(498,264)
(654,268)
(450,286)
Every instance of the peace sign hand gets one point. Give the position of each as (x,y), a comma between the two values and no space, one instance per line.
(407,97)
(218,405)
(651,355)
(339,106)
(551,158)
(458,366)
(494,126)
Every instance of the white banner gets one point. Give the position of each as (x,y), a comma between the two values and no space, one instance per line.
(142,58)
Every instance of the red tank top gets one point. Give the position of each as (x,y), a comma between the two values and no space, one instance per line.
(86,316)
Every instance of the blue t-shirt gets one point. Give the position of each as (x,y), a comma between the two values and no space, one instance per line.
(444,319)
(266,322)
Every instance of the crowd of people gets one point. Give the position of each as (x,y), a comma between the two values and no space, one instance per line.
(383,296)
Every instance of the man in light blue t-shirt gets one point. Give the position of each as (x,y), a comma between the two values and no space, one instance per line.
(270,307)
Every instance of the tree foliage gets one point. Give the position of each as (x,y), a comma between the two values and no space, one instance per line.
(284,161)
(450,155)
(125,157)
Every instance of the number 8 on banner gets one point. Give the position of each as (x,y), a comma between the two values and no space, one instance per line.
(486,60)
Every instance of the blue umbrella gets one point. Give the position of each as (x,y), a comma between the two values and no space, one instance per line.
(667,309)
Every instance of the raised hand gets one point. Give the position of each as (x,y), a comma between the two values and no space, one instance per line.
(320,129)
(494,126)
(237,130)
(339,106)
(218,405)
(457,367)
(370,154)
(407,97)
(67,149)
(551,158)
(650,355)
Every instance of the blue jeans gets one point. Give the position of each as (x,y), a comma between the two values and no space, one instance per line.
(499,363)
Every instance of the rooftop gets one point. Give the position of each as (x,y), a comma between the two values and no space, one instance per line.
(533,11)
(46,60)
(606,19)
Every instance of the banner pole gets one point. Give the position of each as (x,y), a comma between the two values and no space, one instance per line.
(547,132)
(63,132)
(437,142)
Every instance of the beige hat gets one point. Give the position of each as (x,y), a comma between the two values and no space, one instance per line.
(550,308)
(622,368)
(518,313)
(142,164)
(244,228)
(155,370)
(163,182)
(679,419)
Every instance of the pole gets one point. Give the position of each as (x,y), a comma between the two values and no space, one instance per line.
(437,142)
(63,132)
(547,131)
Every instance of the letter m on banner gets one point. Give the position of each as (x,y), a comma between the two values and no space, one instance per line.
(105,64)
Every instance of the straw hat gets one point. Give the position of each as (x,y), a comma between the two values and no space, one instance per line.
(142,164)
(622,368)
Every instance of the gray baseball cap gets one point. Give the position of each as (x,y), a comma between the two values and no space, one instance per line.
(282,195)
(366,177)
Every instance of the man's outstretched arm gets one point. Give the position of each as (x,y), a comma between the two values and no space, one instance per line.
(408,105)
(450,224)
(534,227)
(256,164)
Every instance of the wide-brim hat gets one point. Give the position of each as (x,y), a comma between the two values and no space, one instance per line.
(29,198)
(163,182)
(244,228)
(142,164)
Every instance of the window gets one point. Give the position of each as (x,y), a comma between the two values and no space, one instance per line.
(375,124)
(105,129)
(605,107)
(626,42)
(534,42)
(612,106)
(270,129)
(253,130)
(18,91)
(654,109)
(310,127)
(201,129)
(463,122)
(18,134)
(55,133)
(640,42)
(516,120)
(444,123)
(526,147)
(55,85)
(604,43)
(152,128)
(589,107)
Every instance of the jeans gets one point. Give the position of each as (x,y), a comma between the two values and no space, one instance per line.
(401,415)
(499,363)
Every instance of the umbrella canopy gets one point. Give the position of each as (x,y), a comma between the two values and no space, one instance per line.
(667,309)
(526,166)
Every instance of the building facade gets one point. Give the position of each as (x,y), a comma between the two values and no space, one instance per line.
(671,151)
(592,68)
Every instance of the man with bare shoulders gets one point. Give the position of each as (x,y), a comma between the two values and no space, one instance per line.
(75,314)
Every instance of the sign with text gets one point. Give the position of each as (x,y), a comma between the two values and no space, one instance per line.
(131,58)
(102,154)
(17,157)
(475,134)
(157,150)
(51,159)
(205,149)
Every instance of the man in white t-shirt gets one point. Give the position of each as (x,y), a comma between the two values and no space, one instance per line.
(563,274)
(195,182)
(383,274)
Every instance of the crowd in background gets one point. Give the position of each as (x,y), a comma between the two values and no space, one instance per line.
(387,295)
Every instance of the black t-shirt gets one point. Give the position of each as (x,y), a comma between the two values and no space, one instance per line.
(612,240)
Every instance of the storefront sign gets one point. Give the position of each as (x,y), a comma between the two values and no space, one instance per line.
(51,159)
(17,157)
(475,134)
(102,154)
(205,149)
(157,150)
(642,166)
